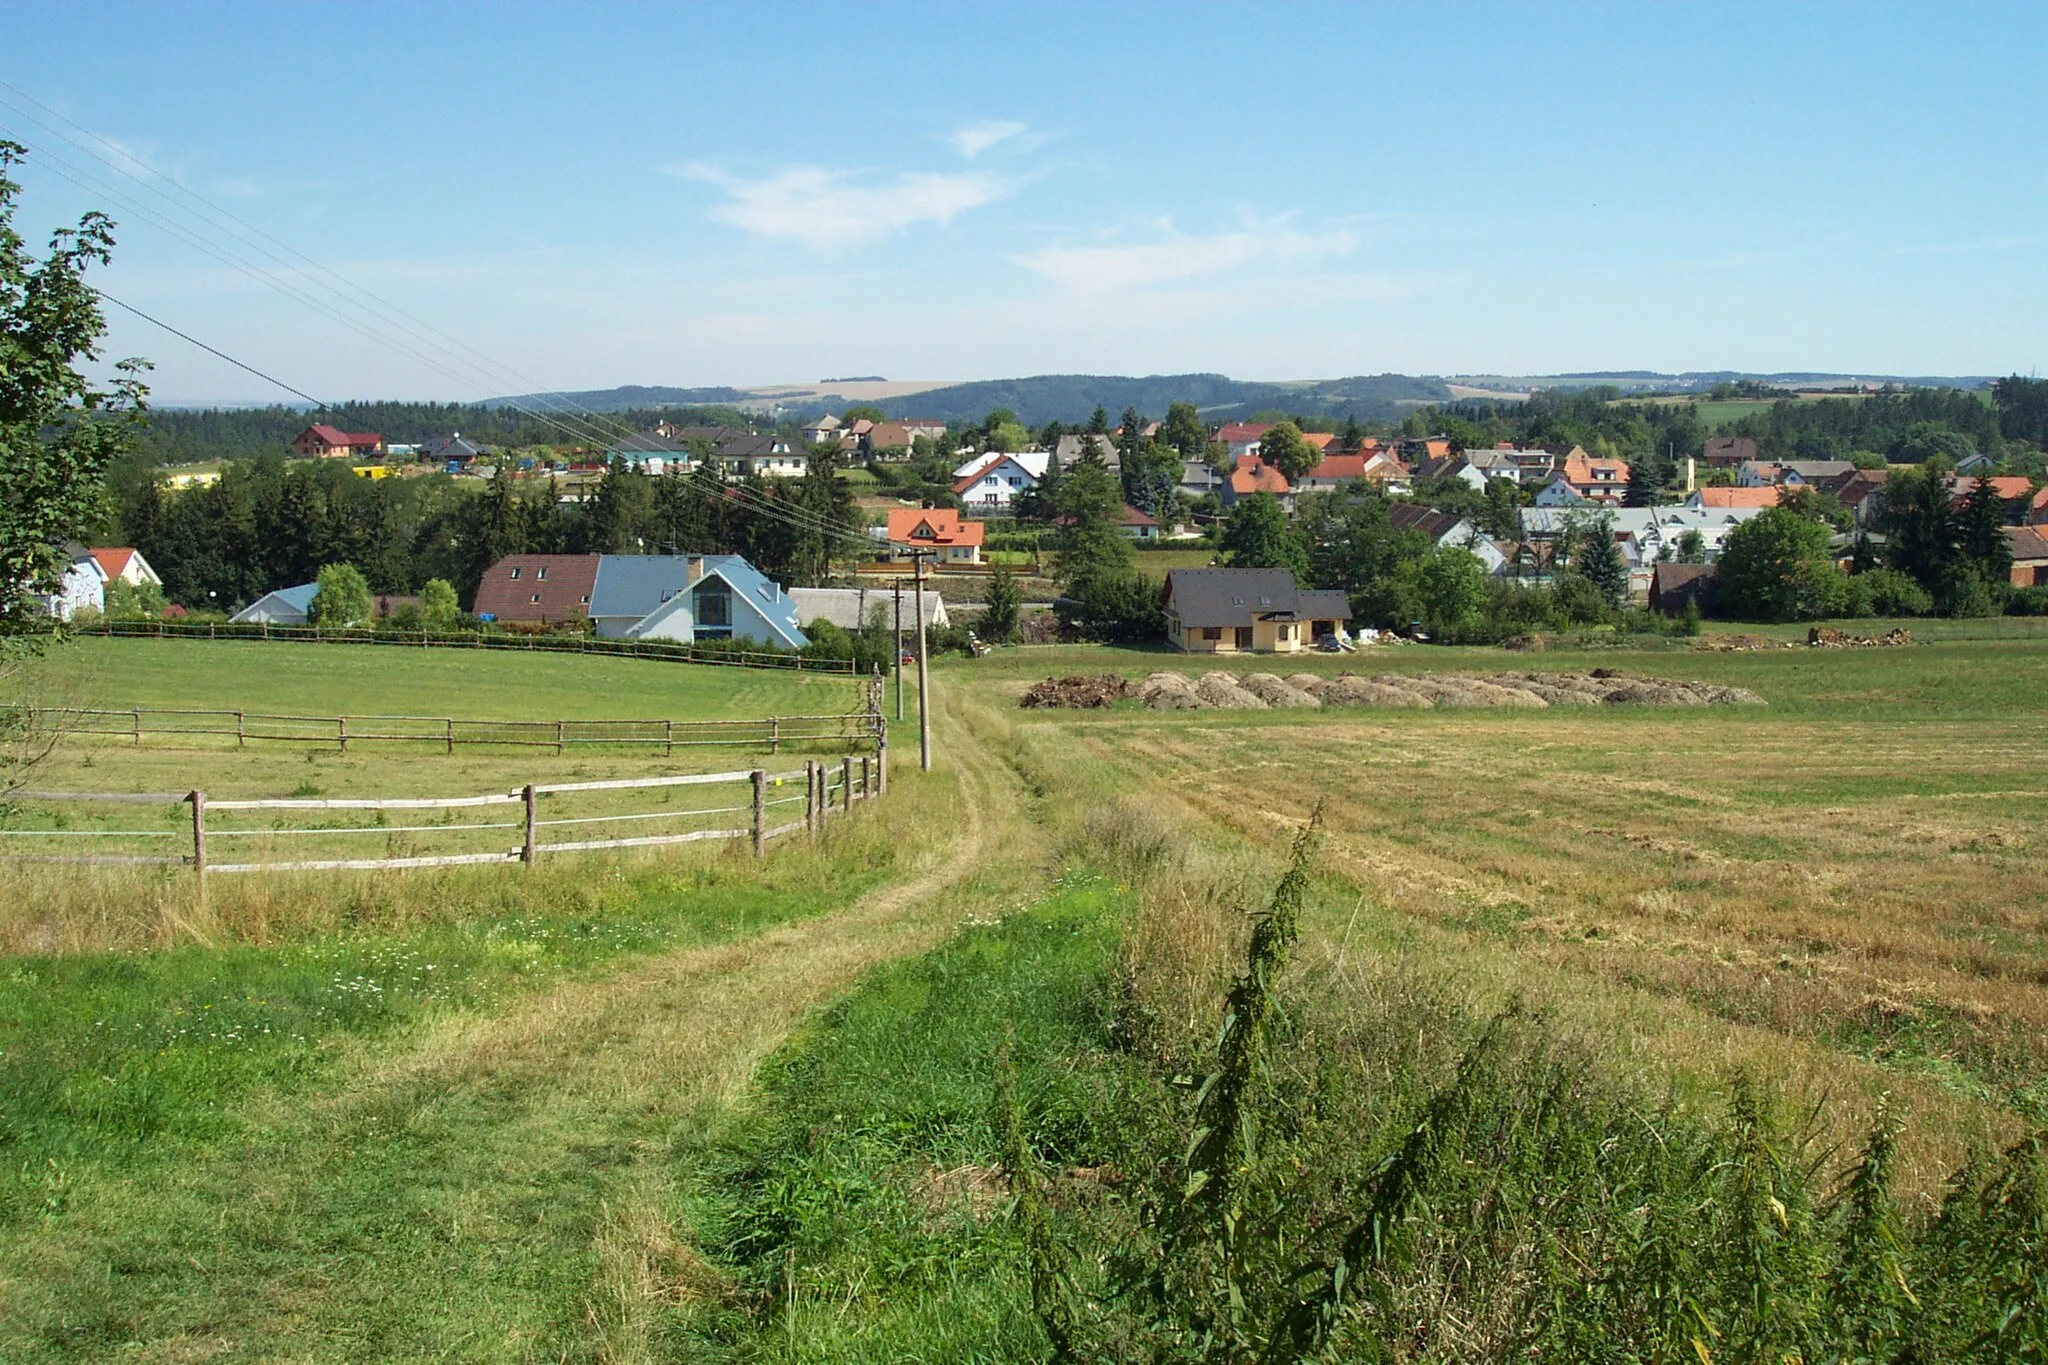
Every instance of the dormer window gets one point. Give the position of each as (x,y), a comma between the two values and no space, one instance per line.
(541,572)
(515,573)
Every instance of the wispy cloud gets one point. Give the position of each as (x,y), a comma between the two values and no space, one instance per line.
(1179,256)
(972,139)
(824,208)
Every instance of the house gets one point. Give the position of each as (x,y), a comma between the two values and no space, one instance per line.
(1977,462)
(711,436)
(995,482)
(1071,449)
(1766,496)
(283,607)
(691,599)
(1644,533)
(1481,467)
(1199,480)
(1862,493)
(855,608)
(1253,475)
(1248,611)
(1791,473)
(1673,585)
(1595,479)
(893,440)
(1559,492)
(537,589)
(649,451)
(1137,525)
(938,529)
(322,442)
(126,565)
(1729,452)
(820,430)
(1334,471)
(1445,528)
(2029,546)
(1242,438)
(2015,491)
(83,587)
(453,452)
(770,457)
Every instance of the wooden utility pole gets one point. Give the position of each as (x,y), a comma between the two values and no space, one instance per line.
(898,665)
(924,696)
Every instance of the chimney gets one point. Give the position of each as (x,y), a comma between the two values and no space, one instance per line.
(694,570)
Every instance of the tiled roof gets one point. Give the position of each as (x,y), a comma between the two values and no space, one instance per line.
(1741,497)
(1237,597)
(1253,475)
(564,584)
(940,525)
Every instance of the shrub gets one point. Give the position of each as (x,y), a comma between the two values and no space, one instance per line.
(1891,593)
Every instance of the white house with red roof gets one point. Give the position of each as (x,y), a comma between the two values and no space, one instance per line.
(125,564)
(1242,438)
(993,483)
(323,442)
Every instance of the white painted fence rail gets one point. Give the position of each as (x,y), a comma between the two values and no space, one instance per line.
(828,788)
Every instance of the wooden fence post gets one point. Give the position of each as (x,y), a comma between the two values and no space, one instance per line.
(450,733)
(138,727)
(811,796)
(558,737)
(241,729)
(198,800)
(341,732)
(866,776)
(881,756)
(528,850)
(774,734)
(760,813)
(846,782)
(668,737)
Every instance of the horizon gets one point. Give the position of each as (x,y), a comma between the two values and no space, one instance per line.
(1490,191)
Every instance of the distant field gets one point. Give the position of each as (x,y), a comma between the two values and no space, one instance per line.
(1719,414)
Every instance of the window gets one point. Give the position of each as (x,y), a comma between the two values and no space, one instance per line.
(536,597)
(714,610)
(1212,632)
(541,572)
(585,599)
(515,572)
(1244,637)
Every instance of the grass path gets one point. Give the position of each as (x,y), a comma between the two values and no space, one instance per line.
(495,1187)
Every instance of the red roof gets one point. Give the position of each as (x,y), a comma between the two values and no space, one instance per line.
(1321,440)
(1133,517)
(967,481)
(1233,432)
(2007,486)
(334,436)
(932,526)
(112,562)
(563,583)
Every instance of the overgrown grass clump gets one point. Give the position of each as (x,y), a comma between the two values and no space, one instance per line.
(1065,1136)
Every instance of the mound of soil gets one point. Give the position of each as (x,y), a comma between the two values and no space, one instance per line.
(1221,690)
(1352,690)
(1079,693)
(1274,692)
(1169,692)
(1827,637)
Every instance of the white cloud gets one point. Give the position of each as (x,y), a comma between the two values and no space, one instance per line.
(975,138)
(826,208)
(1178,256)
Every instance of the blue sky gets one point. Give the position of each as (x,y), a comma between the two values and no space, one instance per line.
(718,194)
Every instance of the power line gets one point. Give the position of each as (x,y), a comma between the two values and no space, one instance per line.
(210,350)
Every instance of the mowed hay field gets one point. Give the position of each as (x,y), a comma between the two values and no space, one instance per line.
(1858,866)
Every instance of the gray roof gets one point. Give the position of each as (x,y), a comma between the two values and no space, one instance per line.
(1237,597)
(746,447)
(646,443)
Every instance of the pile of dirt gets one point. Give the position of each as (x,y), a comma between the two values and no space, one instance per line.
(1740,644)
(1276,692)
(1169,692)
(1221,691)
(1827,637)
(1079,693)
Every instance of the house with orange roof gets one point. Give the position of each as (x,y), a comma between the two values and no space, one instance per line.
(1585,478)
(2011,489)
(941,530)
(1253,475)
(1334,471)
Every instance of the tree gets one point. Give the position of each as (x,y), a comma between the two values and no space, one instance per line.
(439,609)
(827,505)
(342,598)
(1130,435)
(1598,560)
(618,519)
(1776,567)
(1258,536)
(127,601)
(1920,526)
(1449,588)
(1098,421)
(862,412)
(1980,533)
(1692,547)
(1500,516)
(58,433)
(1185,431)
(1007,438)
(999,606)
(1283,448)
(1091,543)
(1151,476)
(1647,475)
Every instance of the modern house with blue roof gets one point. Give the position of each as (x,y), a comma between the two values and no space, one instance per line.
(691,598)
(284,607)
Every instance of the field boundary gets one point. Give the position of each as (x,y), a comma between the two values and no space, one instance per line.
(860,729)
(466,639)
(828,789)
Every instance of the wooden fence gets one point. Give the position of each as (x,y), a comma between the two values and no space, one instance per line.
(760,811)
(673,652)
(855,729)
